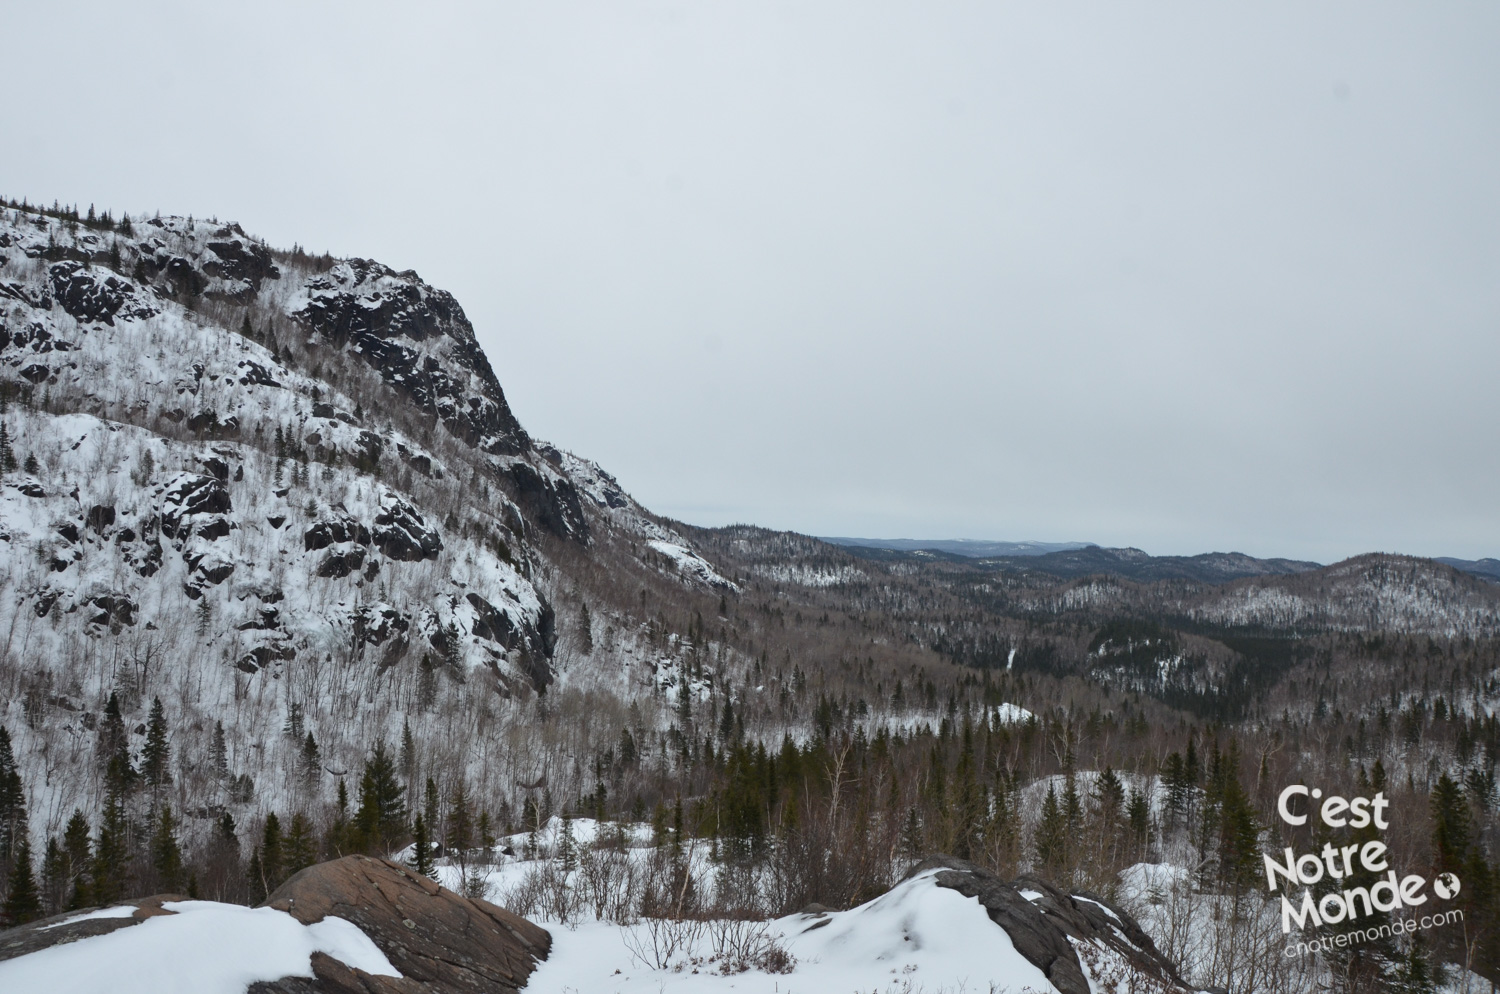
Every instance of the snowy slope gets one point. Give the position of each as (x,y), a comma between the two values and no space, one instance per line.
(202,947)
(267,485)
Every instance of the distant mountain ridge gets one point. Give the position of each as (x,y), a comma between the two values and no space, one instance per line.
(969,547)
(1069,560)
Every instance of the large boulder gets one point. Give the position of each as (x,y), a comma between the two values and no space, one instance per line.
(1048,925)
(438,940)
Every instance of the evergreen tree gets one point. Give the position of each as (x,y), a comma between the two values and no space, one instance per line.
(459,837)
(1140,821)
(567,847)
(7,454)
(430,808)
(54,877)
(23,903)
(79,853)
(272,857)
(1052,836)
(408,757)
(300,847)
(13,824)
(337,841)
(381,818)
(111,869)
(156,758)
(421,860)
(585,631)
(166,853)
(1452,830)
(224,875)
(113,750)
(293,726)
(218,754)
(426,684)
(311,763)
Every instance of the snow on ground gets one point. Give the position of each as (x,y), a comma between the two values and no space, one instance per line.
(812,576)
(918,936)
(689,563)
(123,911)
(206,948)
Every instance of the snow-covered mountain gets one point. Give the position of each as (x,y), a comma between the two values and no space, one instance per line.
(236,474)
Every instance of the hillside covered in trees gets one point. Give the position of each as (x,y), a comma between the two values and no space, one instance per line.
(285,579)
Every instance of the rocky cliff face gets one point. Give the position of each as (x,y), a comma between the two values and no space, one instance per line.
(274,478)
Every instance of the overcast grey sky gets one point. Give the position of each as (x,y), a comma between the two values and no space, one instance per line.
(1187,276)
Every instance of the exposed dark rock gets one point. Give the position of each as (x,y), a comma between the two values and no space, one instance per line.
(490,623)
(552,501)
(100,517)
(254,372)
(1040,928)
(216,572)
(376,626)
(339,526)
(207,423)
(113,608)
(235,261)
(373,311)
(217,468)
(192,495)
(437,940)
(341,562)
(83,294)
(402,534)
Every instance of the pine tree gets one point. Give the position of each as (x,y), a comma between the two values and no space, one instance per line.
(311,763)
(23,903)
(166,853)
(1052,836)
(421,860)
(13,824)
(585,631)
(1452,829)
(431,808)
(567,847)
(54,877)
(111,870)
(381,818)
(300,847)
(156,758)
(270,859)
(459,838)
(79,853)
(1139,814)
(426,684)
(7,454)
(113,750)
(293,726)
(337,841)
(218,754)
(408,757)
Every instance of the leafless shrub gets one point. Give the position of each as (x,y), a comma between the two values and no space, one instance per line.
(608,882)
(657,942)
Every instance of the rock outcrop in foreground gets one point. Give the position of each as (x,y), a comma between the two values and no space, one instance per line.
(438,940)
(1053,929)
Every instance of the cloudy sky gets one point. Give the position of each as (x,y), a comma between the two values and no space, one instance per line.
(1185,276)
